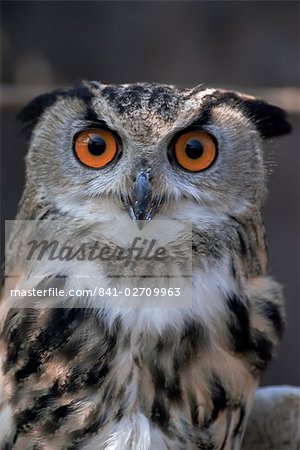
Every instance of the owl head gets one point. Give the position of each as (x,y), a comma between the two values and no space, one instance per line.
(144,150)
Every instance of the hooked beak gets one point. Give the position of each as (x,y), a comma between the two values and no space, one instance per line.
(142,208)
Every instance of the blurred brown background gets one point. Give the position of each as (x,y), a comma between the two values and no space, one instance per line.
(251,46)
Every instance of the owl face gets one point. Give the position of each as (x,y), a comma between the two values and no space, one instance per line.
(146,150)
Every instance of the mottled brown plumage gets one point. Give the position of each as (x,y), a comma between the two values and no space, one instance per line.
(106,373)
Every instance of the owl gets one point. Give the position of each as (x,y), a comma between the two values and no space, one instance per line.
(137,311)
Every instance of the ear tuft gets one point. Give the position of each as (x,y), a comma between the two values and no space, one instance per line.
(269,120)
(31,113)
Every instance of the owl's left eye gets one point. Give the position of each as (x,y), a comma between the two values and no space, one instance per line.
(95,148)
(195,151)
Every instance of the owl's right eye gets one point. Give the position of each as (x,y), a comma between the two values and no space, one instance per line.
(95,148)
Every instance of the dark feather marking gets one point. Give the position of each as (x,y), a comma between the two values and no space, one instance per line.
(162,100)
(242,241)
(61,323)
(246,339)
(44,401)
(271,312)
(242,236)
(131,97)
(111,93)
(30,367)
(219,397)
(159,412)
(168,387)
(26,419)
(37,412)
(94,426)
(194,410)
(120,413)
(173,388)
(124,98)
(45,214)
(263,349)
(91,117)
(16,336)
(233,268)
(32,112)
(269,120)
(96,375)
(238,427)
(193,338)
(55,389)
(62,412)
(158,376)
(76,437)
(168,383)
(57,417)
(229,417)
(239,327)
(78,379)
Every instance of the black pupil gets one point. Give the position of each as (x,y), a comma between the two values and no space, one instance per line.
(194,149)
(96,145)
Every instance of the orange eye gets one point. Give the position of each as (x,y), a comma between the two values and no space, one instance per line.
(195,151)
(95,148)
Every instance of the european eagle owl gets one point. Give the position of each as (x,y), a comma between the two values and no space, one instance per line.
(137,312)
